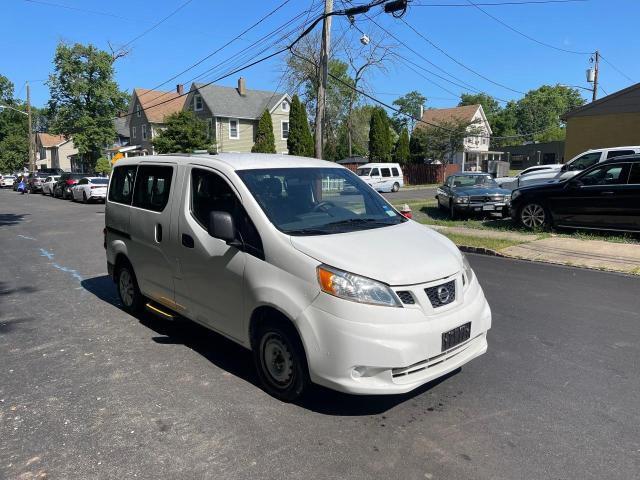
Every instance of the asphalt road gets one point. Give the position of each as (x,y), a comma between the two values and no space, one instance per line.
(411,194)
(89,392)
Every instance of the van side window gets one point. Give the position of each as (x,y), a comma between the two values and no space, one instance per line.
(394,172)
(210,192)
(385,172)
(121,186)
(375,173)
(153,184)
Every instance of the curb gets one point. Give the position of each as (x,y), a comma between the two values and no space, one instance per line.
(482,251)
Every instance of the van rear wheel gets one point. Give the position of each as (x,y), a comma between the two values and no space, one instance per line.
(396,187)
(281,362)
(128,290)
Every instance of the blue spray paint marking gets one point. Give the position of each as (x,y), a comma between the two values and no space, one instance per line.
(26,238)
(46,253)
(50,255)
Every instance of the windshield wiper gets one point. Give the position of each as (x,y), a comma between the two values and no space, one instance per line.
(307,231)
(358,221)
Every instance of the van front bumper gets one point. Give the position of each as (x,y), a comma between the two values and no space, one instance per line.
(384,350)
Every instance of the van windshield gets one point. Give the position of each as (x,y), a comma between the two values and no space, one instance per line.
(318,201)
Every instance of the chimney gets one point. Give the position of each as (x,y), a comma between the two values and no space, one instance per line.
(242,88)
(180,89)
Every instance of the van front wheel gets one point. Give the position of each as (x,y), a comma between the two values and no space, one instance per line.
(281,362)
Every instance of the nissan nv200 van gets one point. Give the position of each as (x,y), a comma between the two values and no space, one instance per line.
(299,261)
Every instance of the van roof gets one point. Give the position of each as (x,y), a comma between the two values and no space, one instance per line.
(237,161)
(613,148)
(373,165)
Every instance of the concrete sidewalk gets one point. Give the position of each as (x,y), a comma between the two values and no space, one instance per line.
(596,254)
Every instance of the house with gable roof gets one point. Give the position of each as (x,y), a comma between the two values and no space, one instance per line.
(54,151)
(232,114)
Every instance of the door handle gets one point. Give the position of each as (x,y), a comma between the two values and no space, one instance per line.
(607,193)
(187,241)
(158,233)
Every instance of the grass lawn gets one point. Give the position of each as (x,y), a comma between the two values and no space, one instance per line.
(482,242)
(427,212)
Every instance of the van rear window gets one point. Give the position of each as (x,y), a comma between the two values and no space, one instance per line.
(121,187)
(394,172)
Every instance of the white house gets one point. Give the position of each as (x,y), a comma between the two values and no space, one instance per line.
(475,147)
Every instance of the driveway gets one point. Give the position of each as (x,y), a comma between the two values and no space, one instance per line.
(87,391)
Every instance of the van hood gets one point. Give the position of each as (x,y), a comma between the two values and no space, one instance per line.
(403,254)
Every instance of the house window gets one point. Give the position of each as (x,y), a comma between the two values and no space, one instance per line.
(197,102)
(234,128)
(285,129)
(138,110)
(133,132)
(285,106)
(43,153)
(144,132)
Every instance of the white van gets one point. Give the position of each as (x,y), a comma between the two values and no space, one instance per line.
(382,177)
(269,252)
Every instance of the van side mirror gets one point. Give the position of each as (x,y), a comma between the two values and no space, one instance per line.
(564,167)
(221,226)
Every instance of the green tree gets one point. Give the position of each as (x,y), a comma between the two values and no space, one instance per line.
(14,144)
(408,104)
(14,152)
(401,153)
(300,141)
(379,136)
(103,166)
(84,98)
(184,134)
(489,104)
(265,141)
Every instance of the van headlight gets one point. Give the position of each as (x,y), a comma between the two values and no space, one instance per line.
(467,271)
(355,288)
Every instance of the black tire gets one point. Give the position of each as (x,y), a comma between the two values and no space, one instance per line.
(84,197)
(453,215)
(128,291)
(396,187)
(534,216)
(280,361)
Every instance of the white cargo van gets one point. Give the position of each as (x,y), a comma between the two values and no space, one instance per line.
(382,177)
(272,252)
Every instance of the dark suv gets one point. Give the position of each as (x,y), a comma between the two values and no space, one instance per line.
(62,188)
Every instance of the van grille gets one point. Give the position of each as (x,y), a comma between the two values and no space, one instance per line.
(406,297)
(442,294)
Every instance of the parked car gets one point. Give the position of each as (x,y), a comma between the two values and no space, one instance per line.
(271,255)
(581,162)
(469,193)
(49,182)
(604,197)
(7,181)
(528,176)
(382,177)
(51,171)
(62,188)
(35,181)
(90,189)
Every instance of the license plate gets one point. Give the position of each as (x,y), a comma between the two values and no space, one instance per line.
(456,336)
(488,207)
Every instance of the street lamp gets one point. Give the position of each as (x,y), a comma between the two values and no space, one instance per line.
(14,109)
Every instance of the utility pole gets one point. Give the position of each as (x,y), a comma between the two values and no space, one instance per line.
(596,67)
(32,159)
(324,74)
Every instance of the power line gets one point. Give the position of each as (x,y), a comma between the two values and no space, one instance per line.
(495,4)
(617,69)
(528,37)
(459,62)
(157,24)
(78,9)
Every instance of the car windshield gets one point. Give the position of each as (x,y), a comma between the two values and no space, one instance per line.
(484,181)
(318,201)
(100,181)
(363,172)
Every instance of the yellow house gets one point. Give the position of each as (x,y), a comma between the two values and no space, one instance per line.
(611,121)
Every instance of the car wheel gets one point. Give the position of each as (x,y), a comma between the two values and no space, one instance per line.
(452,212)
(396,187)
(280,361)
(128,290)
(84,197)
(533,216)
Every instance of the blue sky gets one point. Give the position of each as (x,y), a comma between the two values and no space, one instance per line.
(32,29)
